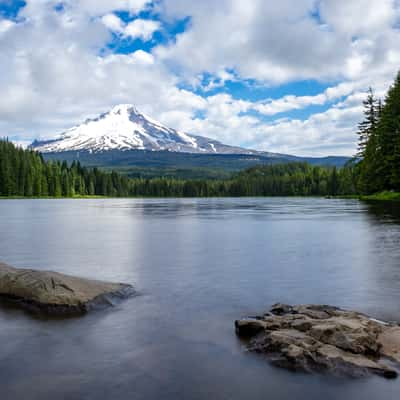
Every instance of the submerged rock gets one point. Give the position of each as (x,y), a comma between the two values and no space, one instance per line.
(319,338)
(57,294)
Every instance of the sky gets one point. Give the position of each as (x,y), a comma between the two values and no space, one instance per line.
(285,76)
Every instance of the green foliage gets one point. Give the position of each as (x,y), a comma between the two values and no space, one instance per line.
(385,196)
(367,127)
(292,179)
(379,169)
(25,173)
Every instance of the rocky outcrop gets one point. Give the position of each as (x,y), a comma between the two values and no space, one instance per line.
(57,294)
(320,338)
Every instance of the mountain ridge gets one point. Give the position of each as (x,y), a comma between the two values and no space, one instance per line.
(125,128)
(133,143)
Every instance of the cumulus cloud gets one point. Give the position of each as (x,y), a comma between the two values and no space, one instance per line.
(358,17)
(113,22)
(56,69)
(291,102)
(326,133)
(88,7)
(138,28)
(262,39)
(279,42)
(5,25)
(52,75)
(142,28)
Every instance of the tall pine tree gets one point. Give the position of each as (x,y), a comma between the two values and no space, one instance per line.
(368,125)
(379,144)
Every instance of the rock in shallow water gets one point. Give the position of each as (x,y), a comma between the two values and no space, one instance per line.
(53,293)
(318,338)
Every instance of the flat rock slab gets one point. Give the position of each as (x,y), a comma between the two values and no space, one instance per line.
(321,338)
(53,293)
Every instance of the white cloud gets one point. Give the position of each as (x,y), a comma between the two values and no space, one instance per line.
(143,57)
(288,103)
(5,25)
(88,7)
(327,133)
(291,102)
(100,7)
(358,17)
(278,42)
(142,28)
(111,21)
(52,75)
(262,39)
(138,28)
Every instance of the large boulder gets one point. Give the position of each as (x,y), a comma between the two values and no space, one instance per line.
(57,294)
(324,339)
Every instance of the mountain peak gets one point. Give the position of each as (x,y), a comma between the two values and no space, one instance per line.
(124,108)
(125,128)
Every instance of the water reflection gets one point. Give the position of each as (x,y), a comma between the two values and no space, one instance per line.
(224,207)
(384,211)
(199,264)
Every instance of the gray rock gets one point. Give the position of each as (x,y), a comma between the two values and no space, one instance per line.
(249,326)
(321,338)
(281,309)
(53,293)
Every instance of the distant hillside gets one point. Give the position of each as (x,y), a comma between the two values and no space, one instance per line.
(142,163)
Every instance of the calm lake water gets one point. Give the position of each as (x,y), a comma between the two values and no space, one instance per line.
(198,264)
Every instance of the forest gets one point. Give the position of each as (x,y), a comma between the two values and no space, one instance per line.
(26,173)
(379,143)
(375,168)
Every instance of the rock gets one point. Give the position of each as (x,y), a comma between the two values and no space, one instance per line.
(57,294)
(322,338)
(281,309)
(302,325)
(389,340)
(331,358)
(249,327)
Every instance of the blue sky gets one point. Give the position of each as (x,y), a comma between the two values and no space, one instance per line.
(285,76)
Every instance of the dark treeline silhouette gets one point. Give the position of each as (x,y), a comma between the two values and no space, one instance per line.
(25,173)
(379,142)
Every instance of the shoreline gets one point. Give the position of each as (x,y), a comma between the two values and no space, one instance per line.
(382,196)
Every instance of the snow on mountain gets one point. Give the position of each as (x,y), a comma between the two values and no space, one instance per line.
(125,128)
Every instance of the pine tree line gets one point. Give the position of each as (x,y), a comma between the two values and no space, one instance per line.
(379,142)
(292,179)
(25,173)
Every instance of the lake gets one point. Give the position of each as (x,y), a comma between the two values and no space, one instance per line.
(198,264)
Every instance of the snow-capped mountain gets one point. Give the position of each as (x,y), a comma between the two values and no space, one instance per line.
(125,128)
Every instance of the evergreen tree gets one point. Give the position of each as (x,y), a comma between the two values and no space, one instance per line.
(389,134)
(379,146)
(368,125)
(25,173)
